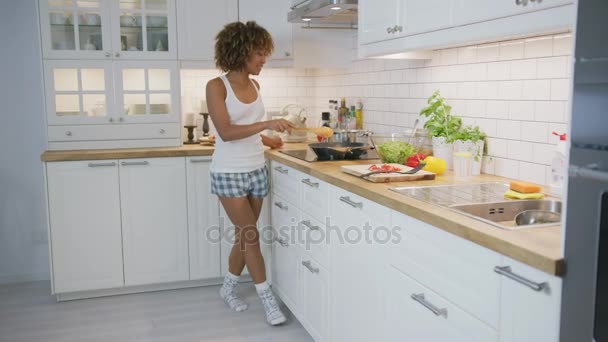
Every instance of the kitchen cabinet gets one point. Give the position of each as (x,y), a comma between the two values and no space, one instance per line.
(103,104)
(203,221)
(416,313)
(356,257)
(107,29)
(314,297)
(154,220)
(200,21)
(392,19)
(530,303)
(85,225)
(273,19)
(285,251)
(406,25)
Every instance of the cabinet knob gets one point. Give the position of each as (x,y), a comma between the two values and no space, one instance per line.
(107,54)
(117,54)
(68,133)
(121,119)
(287,53)
(399,28)
(389,30)
(111,119)
(521,2)
(162,131)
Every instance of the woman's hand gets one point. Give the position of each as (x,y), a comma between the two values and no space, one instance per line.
(272,142)
(279,125)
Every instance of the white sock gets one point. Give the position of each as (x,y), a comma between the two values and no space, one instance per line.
(274,316)
(228,293)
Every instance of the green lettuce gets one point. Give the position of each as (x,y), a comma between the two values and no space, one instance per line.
(395,151)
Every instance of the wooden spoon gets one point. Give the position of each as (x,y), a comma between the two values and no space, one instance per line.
(324,132)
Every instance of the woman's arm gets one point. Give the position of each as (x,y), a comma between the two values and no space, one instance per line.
(272,142)
(216,102)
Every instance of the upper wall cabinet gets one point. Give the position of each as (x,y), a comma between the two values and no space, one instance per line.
(273,18)
(200,20)
(395,26)
(198,23)
(100,29)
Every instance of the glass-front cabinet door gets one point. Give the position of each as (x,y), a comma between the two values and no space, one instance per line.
(147,92)
(75,28)
(145,29)
(116,29)
(79,92)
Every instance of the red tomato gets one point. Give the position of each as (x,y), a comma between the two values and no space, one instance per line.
(414,159)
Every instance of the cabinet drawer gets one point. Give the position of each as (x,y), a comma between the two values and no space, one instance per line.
(113,132)
(455,268)
(427,315)
(314,239)
(314,197)
(286,182)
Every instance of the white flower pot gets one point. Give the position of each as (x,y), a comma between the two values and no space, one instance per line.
(442,149)
(475,148)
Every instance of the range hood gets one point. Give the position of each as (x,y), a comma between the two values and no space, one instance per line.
(343,12)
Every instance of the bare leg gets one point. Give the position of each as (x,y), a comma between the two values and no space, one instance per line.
(242,215)
(236,260)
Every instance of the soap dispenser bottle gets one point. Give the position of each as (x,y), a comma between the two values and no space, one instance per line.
(558,165)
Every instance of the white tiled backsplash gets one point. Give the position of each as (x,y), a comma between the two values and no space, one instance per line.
(517,91)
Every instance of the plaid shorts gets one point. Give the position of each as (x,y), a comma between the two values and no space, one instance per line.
(253,183)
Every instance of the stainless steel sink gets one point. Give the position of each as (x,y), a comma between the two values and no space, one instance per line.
(502,214)
(481,201)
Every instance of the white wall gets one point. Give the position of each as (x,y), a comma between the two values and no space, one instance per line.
(23,244)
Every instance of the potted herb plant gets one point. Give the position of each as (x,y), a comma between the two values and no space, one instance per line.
(471,139)
(441,127)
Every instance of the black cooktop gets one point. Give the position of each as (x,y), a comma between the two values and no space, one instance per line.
(310,156)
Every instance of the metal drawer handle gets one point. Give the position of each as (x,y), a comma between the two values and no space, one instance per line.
(308,265)
(145,162)
(281,242)
(437,311)
(309,225)
(506,271)
(281,206)
(282,170)
(590,171)
(347,200)
(102,164)
(309,183)
(199,160)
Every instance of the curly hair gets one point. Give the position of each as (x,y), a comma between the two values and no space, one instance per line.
(237,41)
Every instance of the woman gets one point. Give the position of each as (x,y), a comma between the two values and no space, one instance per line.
(238,172)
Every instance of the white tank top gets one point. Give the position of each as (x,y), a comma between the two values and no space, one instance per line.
(242,155)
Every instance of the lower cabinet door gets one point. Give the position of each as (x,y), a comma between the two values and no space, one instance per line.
(314,298)
(154,220)
(85,239)
(416,313)
(203,227)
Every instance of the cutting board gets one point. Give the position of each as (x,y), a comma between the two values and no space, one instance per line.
(358,170)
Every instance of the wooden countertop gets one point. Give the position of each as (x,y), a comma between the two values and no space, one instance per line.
(150,152)
(537,247)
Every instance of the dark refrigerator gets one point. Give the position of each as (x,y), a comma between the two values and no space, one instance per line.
(584,315)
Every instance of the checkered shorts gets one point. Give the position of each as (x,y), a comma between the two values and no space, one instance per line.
(253,183)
